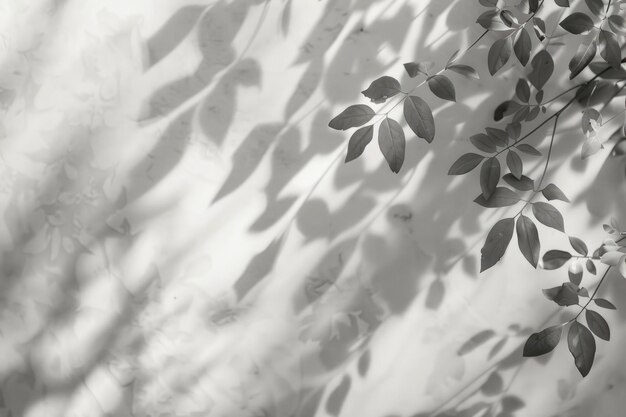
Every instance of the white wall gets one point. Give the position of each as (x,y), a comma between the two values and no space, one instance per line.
(182,238)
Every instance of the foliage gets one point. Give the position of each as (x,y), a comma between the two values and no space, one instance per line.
(501,152)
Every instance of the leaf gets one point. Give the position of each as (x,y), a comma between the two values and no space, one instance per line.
(539,27)
(521,114)
(552,192)
(554,259)
(416,68)
(505,108)
(596,6)
(491,20)
(493,385)
(577,23)
(539,96)
(442,87)
(612,258)
(358,141)
(532,114)
(548,215)
(533,6)
(501,197)
(465,70)
(483,142)
(499,54)
(590,120)
(381,89)
(610,49)
(465,164)
(543,342)
(598,325)
(527,149)
(575,273)
(609,229)
(562,3)
(591,267)
(591,146)
(488,3)
(528,239)
(578,245)
(582,346)
(565,295)
(608,73)
(489,176)
(514,130)
(601,302)
(419,117)
(507,18)
(617,23)
(584,55)
(353,116)
(522,46)
(392,143)
(496,243)
(523,184)
(452,58)
(543,67)
(499,135)
(514,162)
(475,341)
(522,91)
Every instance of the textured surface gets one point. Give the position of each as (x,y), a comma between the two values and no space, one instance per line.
(180,236)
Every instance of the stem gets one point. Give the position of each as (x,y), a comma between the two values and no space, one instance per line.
(437,73)
(557,114)
(608,6)
(545,167)
(563,93)
(613,117)
(606,273)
